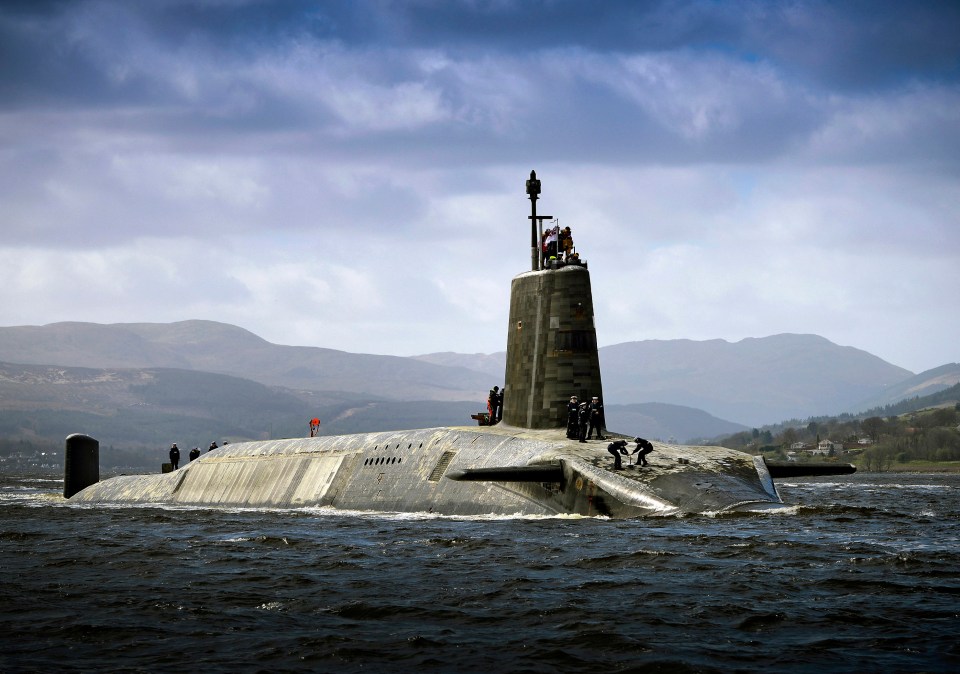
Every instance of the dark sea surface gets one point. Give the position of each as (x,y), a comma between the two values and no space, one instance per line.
(862,575)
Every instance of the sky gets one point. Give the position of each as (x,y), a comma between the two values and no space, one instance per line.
(351,175)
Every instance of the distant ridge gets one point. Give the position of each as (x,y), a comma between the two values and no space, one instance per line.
(923,384)
(753,382)
(670,423)
(226,349)
(152,407)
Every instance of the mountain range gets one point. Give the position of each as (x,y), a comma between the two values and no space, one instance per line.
(147,383)
(755,381)
(226,349)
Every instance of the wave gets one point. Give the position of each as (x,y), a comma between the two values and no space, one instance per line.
(814,486)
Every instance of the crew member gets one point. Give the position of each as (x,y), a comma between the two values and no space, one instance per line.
(644,447)
(617,448)
(566,242)
(494,401)
(596,418)
(194,453)
(552,236)
(573,424)
(213,446)
(175,456)
(583,419)
(314,426)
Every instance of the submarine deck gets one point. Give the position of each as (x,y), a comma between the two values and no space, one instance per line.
(420,471)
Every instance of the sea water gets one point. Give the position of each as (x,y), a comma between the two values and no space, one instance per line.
(861,574)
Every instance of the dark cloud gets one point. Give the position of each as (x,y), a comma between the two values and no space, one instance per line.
(76,50)
(67,56)
(859,45)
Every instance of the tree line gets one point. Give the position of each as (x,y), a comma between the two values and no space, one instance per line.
(910,430)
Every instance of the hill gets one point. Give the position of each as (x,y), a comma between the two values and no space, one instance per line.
(670,423)
(144,410)
(916,433)
(923,384)
(663,388)
(226,349)
(753,381)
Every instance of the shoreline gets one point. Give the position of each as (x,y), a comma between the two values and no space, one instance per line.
(924,467)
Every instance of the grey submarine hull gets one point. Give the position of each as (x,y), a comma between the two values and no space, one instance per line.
(499,470)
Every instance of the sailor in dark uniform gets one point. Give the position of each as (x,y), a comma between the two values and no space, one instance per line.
(583,418)
(644,447)
(596,418)
(573,422)
(617,448)
(175,456)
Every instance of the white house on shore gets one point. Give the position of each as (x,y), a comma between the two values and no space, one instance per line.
(825,446)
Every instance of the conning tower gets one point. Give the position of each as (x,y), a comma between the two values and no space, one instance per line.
(551,337)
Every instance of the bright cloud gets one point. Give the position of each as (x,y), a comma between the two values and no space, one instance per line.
(350,175)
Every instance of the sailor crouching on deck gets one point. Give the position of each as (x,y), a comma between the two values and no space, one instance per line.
(644,447)
(617,448)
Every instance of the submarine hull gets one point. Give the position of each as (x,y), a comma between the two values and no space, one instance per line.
(454,471)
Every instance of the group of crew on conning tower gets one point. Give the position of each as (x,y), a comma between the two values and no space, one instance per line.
(556,247)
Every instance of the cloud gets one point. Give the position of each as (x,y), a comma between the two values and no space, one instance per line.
(351,174)
(915,124)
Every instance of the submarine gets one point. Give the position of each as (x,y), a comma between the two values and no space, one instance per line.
(524,465)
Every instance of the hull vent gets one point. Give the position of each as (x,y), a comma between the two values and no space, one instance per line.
(441,466)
